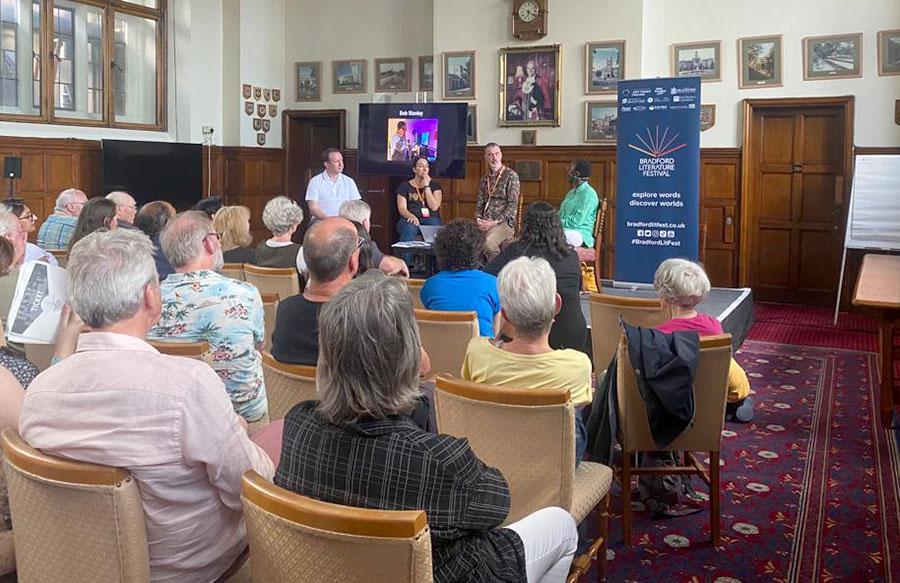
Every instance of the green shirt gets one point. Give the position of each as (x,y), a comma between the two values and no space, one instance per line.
(578,211)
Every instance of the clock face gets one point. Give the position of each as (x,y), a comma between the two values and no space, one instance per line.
(528,10)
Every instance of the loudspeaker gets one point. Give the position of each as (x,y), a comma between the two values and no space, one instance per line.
(12,167)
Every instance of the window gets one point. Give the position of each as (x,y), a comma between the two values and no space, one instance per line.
(91,79)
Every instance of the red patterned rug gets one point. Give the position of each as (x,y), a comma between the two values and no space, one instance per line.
(810,488)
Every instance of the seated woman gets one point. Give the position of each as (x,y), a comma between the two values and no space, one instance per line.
(522,356)
(681,285)
(418,201)
(232,223)
(358,446)
(460,286)
(542,236)
(281,216)
(27,219)
(97,214)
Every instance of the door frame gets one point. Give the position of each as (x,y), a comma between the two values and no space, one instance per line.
(752,109)
(288,116)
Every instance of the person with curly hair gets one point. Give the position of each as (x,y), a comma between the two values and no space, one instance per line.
(282,216)
(461,285)
(542,236)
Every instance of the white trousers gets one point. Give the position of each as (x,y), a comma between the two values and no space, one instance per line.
(550,538)
(573,238)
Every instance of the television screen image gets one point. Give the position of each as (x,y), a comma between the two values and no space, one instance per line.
(412,138)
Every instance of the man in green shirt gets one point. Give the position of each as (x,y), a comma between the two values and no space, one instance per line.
(578,210)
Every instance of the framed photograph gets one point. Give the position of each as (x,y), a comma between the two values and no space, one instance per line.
(393,75)
(759,61)
(530,86)
(349,76)
(426,73)
(700,59)
(529,137)
(600,121)
(307,81)
(472,124)
(529,170)
(832,57)
(889,52)
(604,66)
(459,75)
(707,116)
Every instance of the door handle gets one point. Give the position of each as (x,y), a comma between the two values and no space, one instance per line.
(795,168)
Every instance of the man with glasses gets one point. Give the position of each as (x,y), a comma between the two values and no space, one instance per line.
(58,228)
(200,304)
(126,208)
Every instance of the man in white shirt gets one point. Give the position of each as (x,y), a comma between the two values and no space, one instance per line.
(168,420)
(326,191)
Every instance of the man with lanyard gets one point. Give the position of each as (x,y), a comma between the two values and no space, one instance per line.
(498,201)
(578,210)
(328,190)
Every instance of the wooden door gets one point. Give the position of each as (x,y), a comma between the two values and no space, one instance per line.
(794,213)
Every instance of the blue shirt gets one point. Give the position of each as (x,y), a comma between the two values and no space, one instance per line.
(468,290)
(56,231)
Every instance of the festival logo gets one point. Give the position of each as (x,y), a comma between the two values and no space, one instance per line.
(658,148)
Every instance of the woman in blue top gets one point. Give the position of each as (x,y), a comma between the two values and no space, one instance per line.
(460,285)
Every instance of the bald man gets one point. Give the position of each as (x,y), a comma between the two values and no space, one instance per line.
(126,208)
(331,252)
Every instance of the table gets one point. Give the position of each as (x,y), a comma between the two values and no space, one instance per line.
(878,292)
(407,249)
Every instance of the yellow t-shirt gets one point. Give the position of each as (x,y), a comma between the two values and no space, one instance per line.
(738,383)
(557,369)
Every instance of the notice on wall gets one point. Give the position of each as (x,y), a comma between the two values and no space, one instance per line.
(657,175)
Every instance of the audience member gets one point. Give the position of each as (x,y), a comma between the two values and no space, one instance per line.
(358,446)
(542,236)
(57,229)
(281,216)
(522,355)
(126,208)
(200,304)
(498,201)
(327,190)
(118,402)
(151,219)
(682,285)
(28,219)
(232,223)
(209,205)
(13,360)
(460,286)
(366,262)
(98,214)
(11,230)
(11,396)
(578,210)
(418,201)
(330,250)
(359,211)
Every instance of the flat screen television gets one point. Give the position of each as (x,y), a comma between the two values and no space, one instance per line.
(154,171)
(392,135)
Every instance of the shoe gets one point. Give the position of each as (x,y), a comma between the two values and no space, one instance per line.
(741,412)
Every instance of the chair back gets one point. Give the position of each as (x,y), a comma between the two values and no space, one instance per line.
(195,350)
(445,336)
(528,434)
(293,537)
(61,255)
(710,395)
(7,546)
(233,270)
(415,287)
(74,521)
(283,281)
(605,329)
(270,309)
(598,242)
(287,385)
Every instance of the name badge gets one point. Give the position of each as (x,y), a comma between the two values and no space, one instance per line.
(426,212)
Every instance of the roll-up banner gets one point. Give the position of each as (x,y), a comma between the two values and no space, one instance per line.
(657,175)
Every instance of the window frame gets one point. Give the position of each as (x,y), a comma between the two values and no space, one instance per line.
(110,8)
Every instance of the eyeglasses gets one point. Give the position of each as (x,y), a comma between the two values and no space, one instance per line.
(28,217)
(216,235)
(359,243)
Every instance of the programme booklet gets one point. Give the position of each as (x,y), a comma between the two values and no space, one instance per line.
(37,304)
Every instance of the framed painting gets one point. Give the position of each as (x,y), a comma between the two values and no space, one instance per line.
(459,75)
(472,124)
(530,86)
(426,73)
(393,75)
(307,81)
(700,59)
(349,76)
(604,66)
(759,62)
(889,52)
(600,121)
(832,57)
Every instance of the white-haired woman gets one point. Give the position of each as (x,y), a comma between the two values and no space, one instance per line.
(521,355)
(281,216)
(682,285)
(358,446)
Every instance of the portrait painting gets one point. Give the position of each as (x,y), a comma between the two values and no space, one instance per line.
(760,62)
(393,75)
(832,57)
(349,76)
(530,86)
(459,75)
(889,52)
(604,66)
(426,73)
(307,81)
(700,59)
(600,121)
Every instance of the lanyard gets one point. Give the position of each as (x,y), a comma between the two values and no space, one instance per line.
(494,186)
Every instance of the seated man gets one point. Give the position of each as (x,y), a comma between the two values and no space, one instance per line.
(360,212)
(58,228)
(151,219)
(201,304)
(358,446)
(167,420)
(521,355)
(126,208)
(331,253)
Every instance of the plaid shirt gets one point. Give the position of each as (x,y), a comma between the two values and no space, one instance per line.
(56,232)
(391,464)
(498,197)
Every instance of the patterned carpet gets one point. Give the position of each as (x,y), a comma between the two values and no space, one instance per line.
(810,488)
